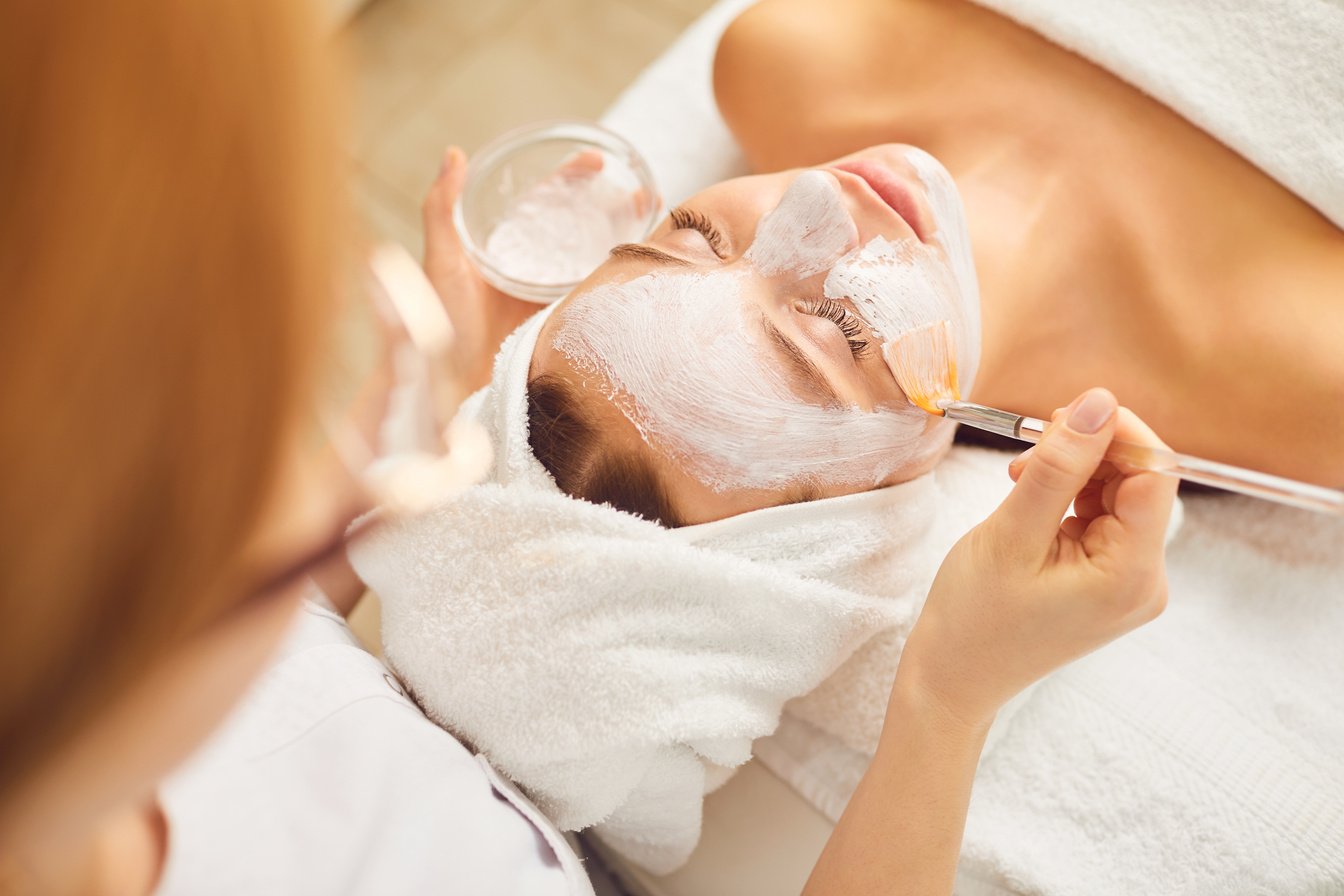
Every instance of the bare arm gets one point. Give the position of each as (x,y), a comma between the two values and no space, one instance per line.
(1020,595)
(901,831)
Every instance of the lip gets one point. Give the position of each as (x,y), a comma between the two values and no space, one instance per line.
(895,192)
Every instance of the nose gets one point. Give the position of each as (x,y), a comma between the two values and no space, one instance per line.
(807,232)
(891,211)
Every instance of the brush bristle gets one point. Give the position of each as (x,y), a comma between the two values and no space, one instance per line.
(924,362)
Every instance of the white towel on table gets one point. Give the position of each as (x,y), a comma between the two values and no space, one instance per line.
(618,671)
(1203,754)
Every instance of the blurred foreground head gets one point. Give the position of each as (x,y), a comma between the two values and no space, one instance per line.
(166,244)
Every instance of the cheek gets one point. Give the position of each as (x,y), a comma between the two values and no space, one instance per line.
(895,286)
(899,286)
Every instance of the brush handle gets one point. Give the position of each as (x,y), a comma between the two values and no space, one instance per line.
(1164,461)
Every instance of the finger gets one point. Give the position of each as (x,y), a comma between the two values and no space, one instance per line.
(584,163)
(644,201)
(1143,504)
(1016,464)
(447,185)
(1073,527)
(1093,500)
(1109,489)
(1090,502)
(1129,428)
(441,240)
(1061,464)
(1143,500)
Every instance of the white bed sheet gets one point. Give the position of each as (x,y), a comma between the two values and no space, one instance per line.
(668,113)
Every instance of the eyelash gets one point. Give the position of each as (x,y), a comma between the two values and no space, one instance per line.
(689,219)
(844,319)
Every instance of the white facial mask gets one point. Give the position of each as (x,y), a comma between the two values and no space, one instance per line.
(685,356)
(806,233)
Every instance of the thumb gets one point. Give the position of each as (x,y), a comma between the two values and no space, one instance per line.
(1060,465)
(440,234)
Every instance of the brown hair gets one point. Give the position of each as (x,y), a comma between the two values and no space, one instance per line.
(567,439)
(166,243)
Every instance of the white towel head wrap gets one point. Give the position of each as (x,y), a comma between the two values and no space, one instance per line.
(617,670)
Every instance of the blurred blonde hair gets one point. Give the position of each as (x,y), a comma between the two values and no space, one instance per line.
(167,234)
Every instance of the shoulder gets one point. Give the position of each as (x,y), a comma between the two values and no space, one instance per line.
(789,73)
(757,77)
(328,778)
(328,704)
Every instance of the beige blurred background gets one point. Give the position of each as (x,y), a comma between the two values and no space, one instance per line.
(429,73)
(433,72)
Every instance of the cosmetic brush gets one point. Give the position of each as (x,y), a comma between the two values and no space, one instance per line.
(924,363)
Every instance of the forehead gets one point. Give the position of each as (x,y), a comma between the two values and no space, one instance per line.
(750,195)
(661,293)
(608,404)
(546,358)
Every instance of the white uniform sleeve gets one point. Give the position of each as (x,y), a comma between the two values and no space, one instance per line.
(329,780)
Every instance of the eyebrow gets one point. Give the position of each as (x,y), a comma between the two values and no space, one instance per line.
(802,365)
(640,252)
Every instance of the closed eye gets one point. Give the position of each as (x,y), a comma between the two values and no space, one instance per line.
(844,319)
(684,218)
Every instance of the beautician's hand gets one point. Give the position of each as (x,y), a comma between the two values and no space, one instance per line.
(482,315)
(1022,593)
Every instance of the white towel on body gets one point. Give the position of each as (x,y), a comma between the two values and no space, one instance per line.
(617,670)
(1204,754)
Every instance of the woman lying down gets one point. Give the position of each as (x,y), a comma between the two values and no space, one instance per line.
(710,497)
(687,522)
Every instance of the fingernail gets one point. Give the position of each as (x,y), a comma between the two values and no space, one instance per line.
(1022,458)
(1092,411)
(449,159)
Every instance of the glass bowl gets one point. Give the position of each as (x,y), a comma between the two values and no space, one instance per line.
(543,205)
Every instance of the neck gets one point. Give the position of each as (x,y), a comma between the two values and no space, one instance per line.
(123,856)
(1134,210)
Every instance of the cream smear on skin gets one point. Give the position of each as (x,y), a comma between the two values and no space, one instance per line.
(899,286)
(806,234)
(685,355)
